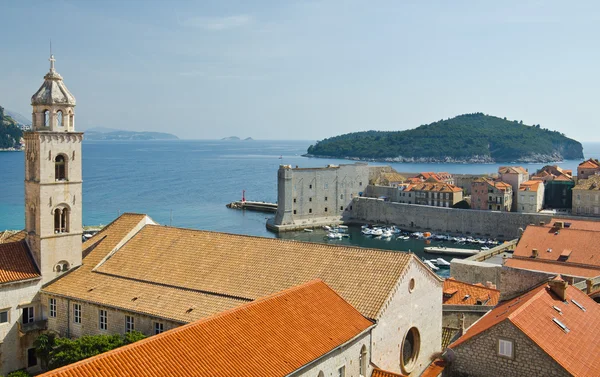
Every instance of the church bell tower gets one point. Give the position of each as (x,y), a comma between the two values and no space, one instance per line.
(53,214)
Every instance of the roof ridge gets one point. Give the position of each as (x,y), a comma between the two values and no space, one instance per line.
(540,290)
(471,284)
(109,225)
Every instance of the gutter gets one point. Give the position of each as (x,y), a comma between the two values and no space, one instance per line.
(305,366)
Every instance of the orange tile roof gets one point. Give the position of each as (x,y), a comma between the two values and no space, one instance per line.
(12,236)
(435,187)
(384,373)
(429,175)
(576,351)
(458,290)
(530,186)
(552,267)
(273,336)
(16,263)
(511,170)
(497,184)
(434,369)
(590,164)
(563,177)
(576,224)
(217,271)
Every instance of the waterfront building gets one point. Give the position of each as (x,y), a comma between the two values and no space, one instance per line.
(514,176)
(586,196)
(552,330)
(308,197)
(487,194)
(308,330)
(558,184)
(430,176)
(588,168)
(50,245)
(435,194)
(531,197)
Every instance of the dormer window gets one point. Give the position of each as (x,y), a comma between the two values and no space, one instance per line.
(60,168)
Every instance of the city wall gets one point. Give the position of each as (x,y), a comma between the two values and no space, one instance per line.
(501,225)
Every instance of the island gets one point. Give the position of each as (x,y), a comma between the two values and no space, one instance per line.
(236,138)
(100,133)
(10,133)
(468,138)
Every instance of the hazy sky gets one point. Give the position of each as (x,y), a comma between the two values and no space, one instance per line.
(307,69)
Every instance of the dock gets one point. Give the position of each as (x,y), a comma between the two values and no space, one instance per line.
(253,206)
(451,251)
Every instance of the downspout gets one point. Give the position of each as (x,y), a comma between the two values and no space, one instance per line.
(68,318)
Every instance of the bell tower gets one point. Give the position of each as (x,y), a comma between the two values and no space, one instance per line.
(53,214)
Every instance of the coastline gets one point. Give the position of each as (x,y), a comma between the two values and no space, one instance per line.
(537,159)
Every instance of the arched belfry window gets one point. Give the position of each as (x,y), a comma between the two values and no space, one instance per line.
(71,120)
(59,118)
(46,118)
(61,220)
(60,168)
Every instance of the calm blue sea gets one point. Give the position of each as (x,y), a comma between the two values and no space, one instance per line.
(193,180)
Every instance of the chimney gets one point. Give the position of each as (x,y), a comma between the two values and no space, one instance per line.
(534,253)
(589,284)
(559,224)
(559,287)
(542,223)
(490,285)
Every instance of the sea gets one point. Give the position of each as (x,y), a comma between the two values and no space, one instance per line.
(187,183)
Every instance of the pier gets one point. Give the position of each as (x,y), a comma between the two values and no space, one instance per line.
(253,206)
(450,251)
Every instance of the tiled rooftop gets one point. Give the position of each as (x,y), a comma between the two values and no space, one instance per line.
(590,164)
(530,186)
(576,350)
(511,170)
(591,183)
(461,293)
(274,336)
(16,263)
(384,373)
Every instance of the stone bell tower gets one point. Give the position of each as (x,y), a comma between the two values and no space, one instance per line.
(53,179)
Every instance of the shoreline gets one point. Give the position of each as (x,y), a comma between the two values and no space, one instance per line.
(434,160)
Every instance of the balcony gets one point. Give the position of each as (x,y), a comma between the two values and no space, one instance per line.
(38,325)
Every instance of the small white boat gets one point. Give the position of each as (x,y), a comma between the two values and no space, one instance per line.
(483,248)
(430,265)
(441,262)
(387,234)
(334,236)
(308,230)
(327,227)
(377,232)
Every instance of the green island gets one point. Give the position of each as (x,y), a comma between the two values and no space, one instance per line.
(468,138)
(10,133)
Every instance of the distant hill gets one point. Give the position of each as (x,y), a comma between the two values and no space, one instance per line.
(18,117)
(236,138)
(102,133)
(10,133)
(466,138)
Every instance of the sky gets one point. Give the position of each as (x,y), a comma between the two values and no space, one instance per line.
(306,69)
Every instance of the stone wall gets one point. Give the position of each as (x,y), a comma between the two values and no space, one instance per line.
(478,357)
(454,315)
(502,225)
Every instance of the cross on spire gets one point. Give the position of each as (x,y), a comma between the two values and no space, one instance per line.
(52,60)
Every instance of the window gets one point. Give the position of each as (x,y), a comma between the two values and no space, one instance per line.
(4,316)
(61,220)
(129,323)
(341,208)
(310,199)
(27,315)
(310,210)
(341,196)
(505,348)
(46,118)
(294,212)
(294,200)
(410,350)
(158,328)
(341,371)
(360,183)
(31,358)
(325,209)
(326,186)
(59,118)
(325,198)
(102,319)
(362,362)
(60,168)
(52,307)
(76,313)
(310,187)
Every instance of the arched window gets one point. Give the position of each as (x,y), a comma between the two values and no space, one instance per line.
(61,266)
(61,220)
(46,118)
(71,121)
(410,350)
(362,361)
(59,118)
(60,168)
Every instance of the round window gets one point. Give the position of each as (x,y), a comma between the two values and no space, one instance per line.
(410,350)
(411,285)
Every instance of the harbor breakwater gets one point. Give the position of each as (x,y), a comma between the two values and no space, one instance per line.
(412,217)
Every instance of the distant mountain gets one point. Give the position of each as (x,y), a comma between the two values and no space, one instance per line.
(466,138)
(233,138)
(101,133)
(248,139)
(10,133)
(18,117)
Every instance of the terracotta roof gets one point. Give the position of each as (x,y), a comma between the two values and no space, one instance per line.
(590,183)
(216,271)
(497,184)
(512,170)
(274,336)
(590,164)
(429,175)
(552,267)
(434,369)
(16,263)
(392,177)
(530,186)
(384,373)
(577,350)
(576,224)
(564,177)
(455,292)
(12,236)
(435,187)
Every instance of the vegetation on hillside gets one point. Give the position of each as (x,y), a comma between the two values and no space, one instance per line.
(462,137)
(55,352)
(10,133)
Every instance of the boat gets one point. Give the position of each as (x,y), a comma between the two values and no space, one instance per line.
(334,236)
(484,248)
(377,232)
(327,227)
(308,230)
(430,265)
(441,262)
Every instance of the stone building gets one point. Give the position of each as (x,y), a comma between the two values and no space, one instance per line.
(309,197)
(588,168)
(530,197)
(51,242)
(514,176)
(464,303)
(435,194)
(558,185)
(308,330)
(487,194)
(586,196)
(553,330)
